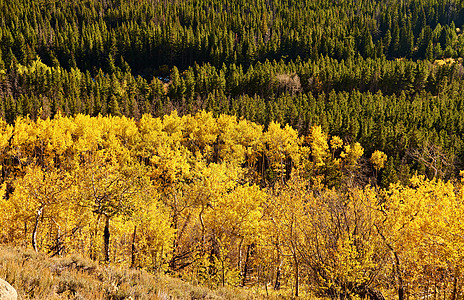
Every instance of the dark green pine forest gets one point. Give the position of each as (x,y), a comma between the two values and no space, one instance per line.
(388,74)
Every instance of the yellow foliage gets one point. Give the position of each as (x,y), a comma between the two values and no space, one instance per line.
(318,142)
(378,159)
(283,144)
(183,193)
(352,153)
(336,142)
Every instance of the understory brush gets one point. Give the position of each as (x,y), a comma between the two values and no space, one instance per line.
(37,276)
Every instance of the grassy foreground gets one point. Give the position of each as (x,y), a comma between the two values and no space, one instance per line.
(37,276)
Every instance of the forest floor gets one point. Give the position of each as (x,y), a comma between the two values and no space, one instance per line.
(37,276)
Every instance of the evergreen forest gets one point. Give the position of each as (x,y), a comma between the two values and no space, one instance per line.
(301,148)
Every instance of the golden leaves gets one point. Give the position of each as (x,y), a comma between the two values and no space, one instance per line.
(183,191)
(378,159)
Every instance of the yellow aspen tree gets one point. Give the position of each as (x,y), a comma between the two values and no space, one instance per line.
(283,149)
(152,236)
(211,184)
(170,166)
(341,246)
(41,195)
(23,137)
(284,212)
(55,141)
(201,133)
(422,228)
(239,141)
(229,146)
(235,220)
(319,146)
(378,159)
(251,136)
(88,134)
(109,190)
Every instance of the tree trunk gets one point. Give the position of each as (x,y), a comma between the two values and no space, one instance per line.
(106,239)
(25,235)
(455,284)
(277,279)
(36,227)
(369,293)
(400,278)
(396,266)
(240,256)
(297,275)
(58,247)
(133,247)
(223,272)
(172,262)
(247,259)
(179,234)
(203,230)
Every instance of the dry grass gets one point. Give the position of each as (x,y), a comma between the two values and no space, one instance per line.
(37,276)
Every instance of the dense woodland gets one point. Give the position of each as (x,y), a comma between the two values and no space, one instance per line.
(385,73)
(223,201)
(311,148)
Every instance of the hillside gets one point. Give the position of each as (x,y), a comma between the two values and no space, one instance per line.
(209,148)
(224,202)
(38,276)
(385,73)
